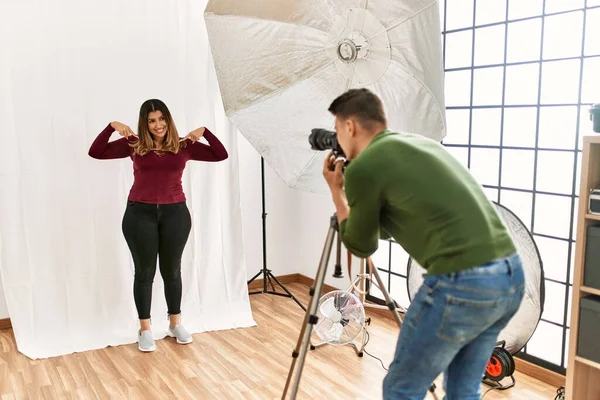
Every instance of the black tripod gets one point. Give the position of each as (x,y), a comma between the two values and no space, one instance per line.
(266,273)
(310,318)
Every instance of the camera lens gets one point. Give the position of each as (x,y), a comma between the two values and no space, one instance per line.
(321,139)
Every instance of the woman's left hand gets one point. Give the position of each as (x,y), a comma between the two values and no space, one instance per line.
(195,135)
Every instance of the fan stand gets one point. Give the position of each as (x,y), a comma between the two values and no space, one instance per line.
(310,317)
(358,287)
(359,351)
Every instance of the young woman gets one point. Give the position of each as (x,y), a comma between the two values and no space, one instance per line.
(157,221)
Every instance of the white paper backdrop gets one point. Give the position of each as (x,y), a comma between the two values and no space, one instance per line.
(68,68)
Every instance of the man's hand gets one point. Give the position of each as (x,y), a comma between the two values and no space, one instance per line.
(332,171)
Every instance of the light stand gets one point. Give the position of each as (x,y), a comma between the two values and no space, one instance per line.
(266,273)
(310,318)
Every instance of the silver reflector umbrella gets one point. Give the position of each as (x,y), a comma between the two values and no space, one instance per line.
(280,63)
(522,326)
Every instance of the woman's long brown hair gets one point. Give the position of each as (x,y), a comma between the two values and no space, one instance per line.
(145,143)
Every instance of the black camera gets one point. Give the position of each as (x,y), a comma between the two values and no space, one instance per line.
(595,117)
(322,139)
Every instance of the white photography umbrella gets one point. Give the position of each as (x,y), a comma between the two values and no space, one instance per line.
(280,63)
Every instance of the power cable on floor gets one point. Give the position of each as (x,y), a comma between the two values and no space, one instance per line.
(371,355)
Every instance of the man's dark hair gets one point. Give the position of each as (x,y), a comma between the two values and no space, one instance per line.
(362,104)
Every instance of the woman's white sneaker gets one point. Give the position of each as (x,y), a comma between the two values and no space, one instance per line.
(179,332)
(146,341)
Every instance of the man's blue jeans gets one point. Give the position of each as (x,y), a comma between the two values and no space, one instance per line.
(452,326)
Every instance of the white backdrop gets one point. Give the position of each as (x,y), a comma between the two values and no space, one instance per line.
(67,69)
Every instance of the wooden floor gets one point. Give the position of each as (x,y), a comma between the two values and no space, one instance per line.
(250,363)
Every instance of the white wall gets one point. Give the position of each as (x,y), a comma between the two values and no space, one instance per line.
(296,222)
(310,227)
(3,307)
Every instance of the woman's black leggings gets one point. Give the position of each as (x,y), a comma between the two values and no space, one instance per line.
(153,230)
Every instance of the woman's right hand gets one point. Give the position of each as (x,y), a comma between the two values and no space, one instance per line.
(123,129)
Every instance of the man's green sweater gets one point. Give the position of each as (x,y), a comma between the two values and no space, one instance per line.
(408,187)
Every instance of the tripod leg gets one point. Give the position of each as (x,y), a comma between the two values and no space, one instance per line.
(362,284)
(287,291)
(254,277)
(389,301)
(337,273)
(310,318)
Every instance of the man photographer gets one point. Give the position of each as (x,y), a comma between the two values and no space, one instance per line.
(408,187)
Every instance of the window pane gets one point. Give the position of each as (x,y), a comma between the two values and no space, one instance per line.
(555,172)
(519,126)
(568,333)
(574,221)
(552,215)
(522,84)
(459,47)
(562,35)
(572,263)
(546,342)
(592,32)
(486,126)
(554,302)
(553,6)
(560,82)
(592,3)
(461,154)
(490,11)
(489,45)
(517,169)
(459,14)
(399,259)
(524,40)
(554,255)
(523,9)
(491,194)
(487,86)
(484,165)
(457,122)
(591,81)
(381,257)
(569,302)
(519,203)
(398,291)
(458,88)
(558,127)
(374,290)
